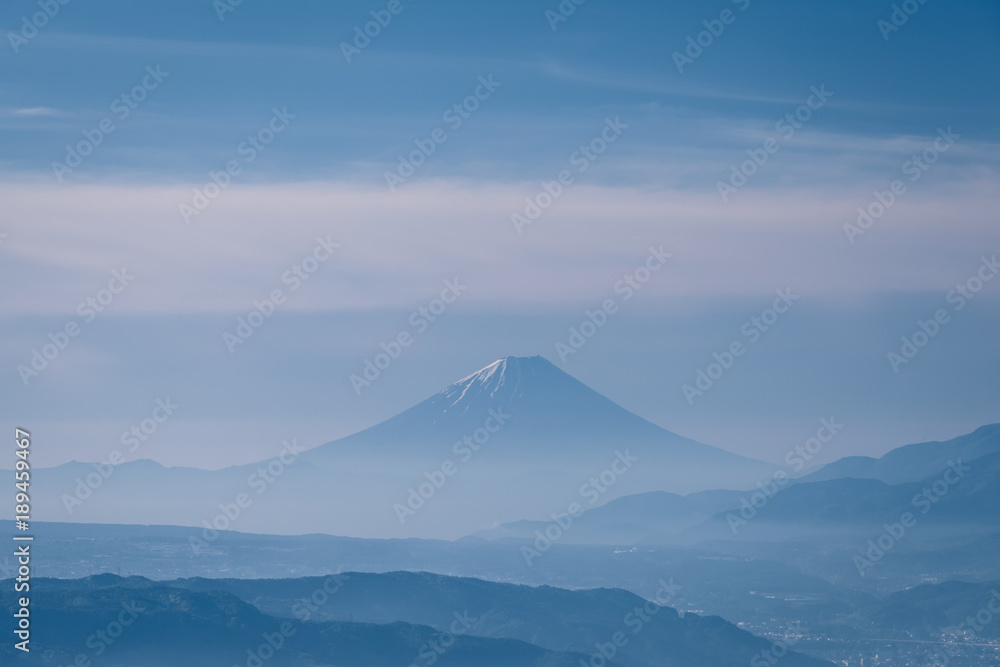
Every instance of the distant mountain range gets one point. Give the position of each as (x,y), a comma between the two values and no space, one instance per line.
(960,499)
(767,586)
(501,454)
(961,495)
(924,611)
(112,621)
(913,463)
(376,619)
(517,438)
(640,518)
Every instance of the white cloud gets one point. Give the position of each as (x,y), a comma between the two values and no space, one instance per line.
(397,248)
(36,111)
(29,112)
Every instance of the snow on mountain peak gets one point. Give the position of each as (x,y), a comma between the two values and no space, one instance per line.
(502,377)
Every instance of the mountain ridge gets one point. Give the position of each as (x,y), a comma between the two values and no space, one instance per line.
(541,399)
(913,462)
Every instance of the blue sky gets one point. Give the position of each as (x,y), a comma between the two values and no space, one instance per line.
(656,184)
(607,58)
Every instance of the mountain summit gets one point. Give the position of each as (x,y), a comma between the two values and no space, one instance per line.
(520,382)
(540,398)
(505,374)
(501,380)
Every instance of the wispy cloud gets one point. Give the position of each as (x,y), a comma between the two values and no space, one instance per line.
(181,47)
(397,248)
(30,112)
(36,111)
(659,85)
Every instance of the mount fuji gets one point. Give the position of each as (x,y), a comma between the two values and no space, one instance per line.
(519,438)
(549,413)
(523,433)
